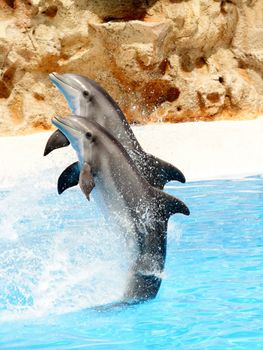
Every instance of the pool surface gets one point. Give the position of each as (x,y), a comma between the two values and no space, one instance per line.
(59,261)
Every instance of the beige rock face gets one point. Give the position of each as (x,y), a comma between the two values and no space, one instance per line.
(169,60)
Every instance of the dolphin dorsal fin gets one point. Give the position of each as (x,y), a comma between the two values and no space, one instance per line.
(56,140)
(69,177)
(173,205)
(161,172)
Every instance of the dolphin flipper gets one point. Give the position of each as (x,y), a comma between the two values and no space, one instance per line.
(69,177)
(86,181)
(161,172)
(56,140)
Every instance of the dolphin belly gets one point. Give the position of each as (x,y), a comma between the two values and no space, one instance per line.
(144,278)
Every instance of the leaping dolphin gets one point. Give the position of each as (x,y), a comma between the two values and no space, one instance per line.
(88,99)
(137,206)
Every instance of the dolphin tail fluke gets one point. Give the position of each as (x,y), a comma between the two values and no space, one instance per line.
(69,177)
(163,172)
(56,140)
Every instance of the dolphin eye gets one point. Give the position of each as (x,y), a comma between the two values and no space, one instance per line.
(85,93)
(88,135)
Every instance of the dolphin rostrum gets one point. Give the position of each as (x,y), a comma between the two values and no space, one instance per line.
(140,210)
(88,99)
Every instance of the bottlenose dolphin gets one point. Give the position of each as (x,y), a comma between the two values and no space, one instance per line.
(88,99)
(141,210)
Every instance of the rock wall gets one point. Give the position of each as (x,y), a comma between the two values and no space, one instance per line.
(168,60)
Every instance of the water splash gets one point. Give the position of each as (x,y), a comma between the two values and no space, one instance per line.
(58,253)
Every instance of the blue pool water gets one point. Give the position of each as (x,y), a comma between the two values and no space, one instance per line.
(59,260)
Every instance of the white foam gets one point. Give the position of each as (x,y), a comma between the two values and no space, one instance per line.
(52,261)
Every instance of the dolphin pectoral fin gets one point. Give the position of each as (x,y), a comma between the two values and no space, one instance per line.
(86,181)
(56,140)
(173,205)
(162,172)
(69,177)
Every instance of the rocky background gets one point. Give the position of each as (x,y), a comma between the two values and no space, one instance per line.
(162,60)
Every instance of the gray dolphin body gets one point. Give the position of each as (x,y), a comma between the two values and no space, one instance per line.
(87,99)
(140,209)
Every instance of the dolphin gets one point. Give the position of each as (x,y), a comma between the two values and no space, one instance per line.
(88,99)
(139,209)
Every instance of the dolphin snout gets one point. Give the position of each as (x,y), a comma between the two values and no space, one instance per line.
(61,122)
(55,77)
(72,123)
(61,81)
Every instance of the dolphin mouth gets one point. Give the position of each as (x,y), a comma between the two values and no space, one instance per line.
(59,80)
(61,123)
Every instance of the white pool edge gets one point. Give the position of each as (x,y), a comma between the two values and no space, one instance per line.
(201,150)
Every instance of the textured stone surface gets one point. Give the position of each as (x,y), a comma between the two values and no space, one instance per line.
(170,60)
